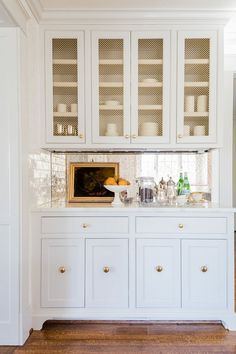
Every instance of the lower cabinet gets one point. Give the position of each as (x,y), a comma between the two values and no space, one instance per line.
(62,273)
(158,273)
(204,274)
(107,273)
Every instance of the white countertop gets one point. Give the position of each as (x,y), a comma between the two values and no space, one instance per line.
(60,206)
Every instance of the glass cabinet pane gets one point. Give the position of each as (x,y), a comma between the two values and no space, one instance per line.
(150,87)
(196,86)
(65,86)
(111,87)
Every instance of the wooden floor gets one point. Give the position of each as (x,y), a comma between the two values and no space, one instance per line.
(116,338)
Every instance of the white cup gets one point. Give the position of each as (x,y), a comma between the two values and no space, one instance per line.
(202,103)
(186,130)
(189,103)
(199,130)
(149,129)
(74,107)
(61,107)
(69,129)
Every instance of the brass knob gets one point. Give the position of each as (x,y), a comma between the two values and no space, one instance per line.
(204,269)
(134,136)
(159,268)
(81,136)
(180,136)
(106,269)
(181,226)
(84,226)
(126,136)
(62,270)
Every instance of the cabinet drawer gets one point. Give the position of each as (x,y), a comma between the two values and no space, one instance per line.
(106,273)
(158,273)
(62,273)
(84,224)
(166,225)
(204,274)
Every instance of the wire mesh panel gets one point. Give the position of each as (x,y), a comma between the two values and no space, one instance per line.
(65,86)
(196,86)
(150,87)
(111,87)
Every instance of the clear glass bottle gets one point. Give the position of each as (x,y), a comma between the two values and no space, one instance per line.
(171,190)
(147,188)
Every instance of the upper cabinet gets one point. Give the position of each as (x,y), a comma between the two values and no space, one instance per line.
(65,121)
(132,89)
(196,90)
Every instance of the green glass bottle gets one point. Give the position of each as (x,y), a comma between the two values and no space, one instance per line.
(180,184)
(186,184)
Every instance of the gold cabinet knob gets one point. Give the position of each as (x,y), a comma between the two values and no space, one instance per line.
(62,270)
(81,136)
(126,136)
(159,268)
(134,136)
(181,226)
(85,226)
(204,269)
(180,136)
(106,269)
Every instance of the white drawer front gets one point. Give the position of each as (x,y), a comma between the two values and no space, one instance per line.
(62,273)
(106,273)
(158,273)
(165,225)
(204,274)
(83,224)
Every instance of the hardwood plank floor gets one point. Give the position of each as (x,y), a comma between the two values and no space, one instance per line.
(127,337)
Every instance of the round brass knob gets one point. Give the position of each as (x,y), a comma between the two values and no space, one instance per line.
(134,136)
(81,136)
(126,136)
(84,226)
(181,226)
(159,268)
(106,269)
(62,270)
(204,269)
(180,136)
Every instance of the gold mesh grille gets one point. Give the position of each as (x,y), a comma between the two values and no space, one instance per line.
(111,82)
(65,86)
(150,78)
(196,84)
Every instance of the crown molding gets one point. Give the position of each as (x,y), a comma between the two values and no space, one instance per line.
(36,9)
(18,11)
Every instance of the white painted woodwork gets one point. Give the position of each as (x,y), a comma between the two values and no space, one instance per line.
(158,273)
(181,225)
(211,137)
(107,289)
(204,289)
(93,224)
(62,273)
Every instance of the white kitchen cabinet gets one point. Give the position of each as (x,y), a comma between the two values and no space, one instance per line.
(204,275)
(62,273)
(107,273)
(197,87)
(64,91)
(158,273)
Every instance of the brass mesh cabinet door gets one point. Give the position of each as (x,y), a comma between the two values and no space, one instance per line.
(150,87)
(110,87)
(64,66)
(197,93)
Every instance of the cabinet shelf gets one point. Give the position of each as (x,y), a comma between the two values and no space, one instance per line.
(150,107)
(196,61)
(196,114)
(150,61)
(150,84)
(111,108)
(111,61)
(196,84)
(65,84)
(64,61)
(66,114)
(111,84)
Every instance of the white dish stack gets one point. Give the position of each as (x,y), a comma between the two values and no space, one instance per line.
(149,129)
(112,129)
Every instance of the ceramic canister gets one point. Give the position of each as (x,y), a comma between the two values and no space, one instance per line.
(61,107)
(189,103)
(74,107)
(199,130)
(202,103)
(149,129)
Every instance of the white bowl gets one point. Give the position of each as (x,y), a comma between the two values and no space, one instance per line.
(112,103)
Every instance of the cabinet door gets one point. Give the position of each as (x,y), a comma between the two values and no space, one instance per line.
(150,87)
(106,273)
(62,273)
(204,274)
(64,67)
(111,87)
(158,273)
(196,88)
